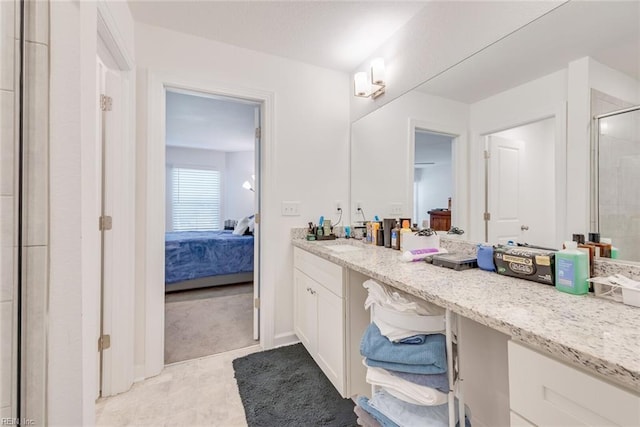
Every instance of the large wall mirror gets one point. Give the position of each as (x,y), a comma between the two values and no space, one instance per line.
(506,136)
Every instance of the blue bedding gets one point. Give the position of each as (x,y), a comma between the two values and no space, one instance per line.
(195,254)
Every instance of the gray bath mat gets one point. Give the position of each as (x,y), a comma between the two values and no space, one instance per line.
(285,387)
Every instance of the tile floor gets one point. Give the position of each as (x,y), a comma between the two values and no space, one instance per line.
(200,392)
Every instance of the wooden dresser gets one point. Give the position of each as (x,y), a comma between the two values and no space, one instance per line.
(440,220)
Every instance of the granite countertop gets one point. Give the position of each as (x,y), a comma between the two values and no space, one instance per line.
(599,335)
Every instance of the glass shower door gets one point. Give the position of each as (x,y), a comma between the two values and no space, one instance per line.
(618,178)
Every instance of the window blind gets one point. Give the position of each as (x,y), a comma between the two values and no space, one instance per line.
(195,203)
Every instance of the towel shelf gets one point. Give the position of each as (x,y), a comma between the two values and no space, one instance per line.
(410,321)
(446,324)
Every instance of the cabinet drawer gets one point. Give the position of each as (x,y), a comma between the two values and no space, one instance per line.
(550,393)
(322,271)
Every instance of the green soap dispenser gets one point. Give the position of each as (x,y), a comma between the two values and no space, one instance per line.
(572,270)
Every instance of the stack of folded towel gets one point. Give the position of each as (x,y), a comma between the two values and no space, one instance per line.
(408,367)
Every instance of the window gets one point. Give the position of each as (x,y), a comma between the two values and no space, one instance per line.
(195,199)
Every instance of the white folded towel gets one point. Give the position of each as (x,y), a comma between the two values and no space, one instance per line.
(403,389)
(393,333)
(379,294)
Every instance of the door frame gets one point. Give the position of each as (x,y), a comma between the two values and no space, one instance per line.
(151,240)
(459,144)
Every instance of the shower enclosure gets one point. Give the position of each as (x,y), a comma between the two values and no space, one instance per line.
(24,210)
(617,179)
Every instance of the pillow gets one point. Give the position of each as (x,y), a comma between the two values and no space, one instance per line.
(242,226)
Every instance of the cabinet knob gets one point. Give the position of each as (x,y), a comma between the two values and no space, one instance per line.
(524,227)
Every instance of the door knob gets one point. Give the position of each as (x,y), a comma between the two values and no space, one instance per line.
(524,227)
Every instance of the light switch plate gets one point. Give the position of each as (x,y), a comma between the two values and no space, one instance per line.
(291,208)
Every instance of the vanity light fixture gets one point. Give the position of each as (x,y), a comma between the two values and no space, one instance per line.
(247,185)
(371,84)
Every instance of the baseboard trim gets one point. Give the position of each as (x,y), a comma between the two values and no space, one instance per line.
(139,373)
(287,338)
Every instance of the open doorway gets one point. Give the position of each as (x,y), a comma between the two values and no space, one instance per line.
(212,197)
(520,184)
(433,179)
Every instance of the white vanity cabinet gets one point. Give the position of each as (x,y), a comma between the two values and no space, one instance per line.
(319,313)
(547,392)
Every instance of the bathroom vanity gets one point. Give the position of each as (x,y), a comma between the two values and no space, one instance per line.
(530,355)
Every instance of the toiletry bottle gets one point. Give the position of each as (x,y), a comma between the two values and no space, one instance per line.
(615,252)
(380,238)
(395,237)
(594,239)
(374,233)
(404,232)
(572,270)
(589,250)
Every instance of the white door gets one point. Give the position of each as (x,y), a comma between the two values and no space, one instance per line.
(521,190)
(505,187)
(256,231)
(115,349)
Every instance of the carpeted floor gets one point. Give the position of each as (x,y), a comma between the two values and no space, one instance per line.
(202,322)
(285,387)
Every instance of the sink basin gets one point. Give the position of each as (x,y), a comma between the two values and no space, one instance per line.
(343,248)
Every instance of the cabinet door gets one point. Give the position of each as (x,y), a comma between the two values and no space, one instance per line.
(550,393)
(330,352)
(305,311)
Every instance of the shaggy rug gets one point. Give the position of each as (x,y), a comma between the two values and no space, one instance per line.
(285,387)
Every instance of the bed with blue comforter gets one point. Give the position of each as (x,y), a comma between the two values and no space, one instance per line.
(196,259)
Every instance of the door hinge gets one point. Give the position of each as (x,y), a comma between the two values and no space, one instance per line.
(487,154)
(257,218)
(258,133)
(487,216)
(104,342)
(106,103)
(256,303)
(105,222)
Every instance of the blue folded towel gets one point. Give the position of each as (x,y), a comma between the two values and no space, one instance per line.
(363,402)
(407,414)
(429,357)
(416,339)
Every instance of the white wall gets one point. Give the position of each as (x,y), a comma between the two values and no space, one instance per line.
(238,201)
(74,271)
(381,150)
(308,152)
(441,35)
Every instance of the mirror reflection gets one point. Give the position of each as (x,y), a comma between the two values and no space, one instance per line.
(517,116)
(433,180)
(618,178)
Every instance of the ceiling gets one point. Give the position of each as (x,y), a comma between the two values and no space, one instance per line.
(607,31)
(208,122)
(332,34)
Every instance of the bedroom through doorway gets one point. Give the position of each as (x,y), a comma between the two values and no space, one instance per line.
(212,187)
